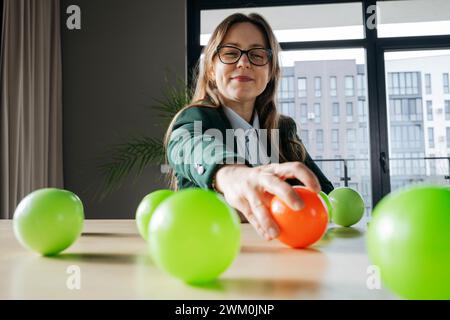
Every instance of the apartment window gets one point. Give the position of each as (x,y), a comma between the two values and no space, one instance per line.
(349,111)
(431,137)
(361,85)
(288,108)
(402,83)
(448,137)
(429,110)
(301,86)
(427,83)
(349,86)
(333,86)
(335,139)
(362,112)
(305,137)
(432,165)
(445,81)
(319,139)
(337,166)
(317,112)
(406,109)
(447,109)
(351,139)
(351,166)
(335,112)
(303,113)
(363,137)
(318,86)
(393,83)
(287,87)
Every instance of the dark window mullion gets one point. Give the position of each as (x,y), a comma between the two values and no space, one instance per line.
(327,44)
(377,111)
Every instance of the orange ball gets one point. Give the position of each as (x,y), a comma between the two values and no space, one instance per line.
(300,229)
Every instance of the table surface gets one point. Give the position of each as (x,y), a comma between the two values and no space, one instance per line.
(113,263)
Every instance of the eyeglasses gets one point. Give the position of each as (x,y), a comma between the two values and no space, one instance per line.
(256,56)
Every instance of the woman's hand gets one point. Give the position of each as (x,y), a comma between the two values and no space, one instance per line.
(250,190)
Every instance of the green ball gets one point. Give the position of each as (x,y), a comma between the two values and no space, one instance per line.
(194,235)
(48,221)
(146,209)
(348,206)
(327,201)
(409,240)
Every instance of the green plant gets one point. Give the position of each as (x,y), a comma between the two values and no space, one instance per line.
(140,151)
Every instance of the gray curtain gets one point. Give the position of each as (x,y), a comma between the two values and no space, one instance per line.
(31,101)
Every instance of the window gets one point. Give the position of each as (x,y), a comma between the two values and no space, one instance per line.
(445,81)
(403,83)
(303,113)
(448,137)
(362,112)
(349,86)
(349,111)
(319,139)
(447,109)
(333,86)
(413,18)
(317,87)
(429,110)
(405,109)
(335,112)
(361,85)
(295,22)
(362,135)
(302,87)
(335,139)
(427,83)
(431,137)
(304,136)
(317,112)
(337,166)
(432,165)
(351,139)
(351,166)
(288,108)
(287,88)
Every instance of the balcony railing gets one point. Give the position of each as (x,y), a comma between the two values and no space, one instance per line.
(346,178)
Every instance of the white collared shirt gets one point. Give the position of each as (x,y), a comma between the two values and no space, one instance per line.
(250,148)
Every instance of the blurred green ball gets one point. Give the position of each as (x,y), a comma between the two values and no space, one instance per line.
(146,209)
(194,235)
(409,240)
(348,206)
(327,201)
(48,220)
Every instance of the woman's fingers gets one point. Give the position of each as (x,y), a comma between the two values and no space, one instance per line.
(244,207)
(282,190)
(262,215)
(296,170)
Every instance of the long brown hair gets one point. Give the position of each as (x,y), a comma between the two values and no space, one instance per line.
(206,93)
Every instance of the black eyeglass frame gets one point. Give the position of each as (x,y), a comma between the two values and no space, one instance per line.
(269,51)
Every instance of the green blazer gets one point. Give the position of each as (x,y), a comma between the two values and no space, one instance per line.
(196,157)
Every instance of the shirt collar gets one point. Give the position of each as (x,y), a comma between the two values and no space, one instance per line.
(237,122)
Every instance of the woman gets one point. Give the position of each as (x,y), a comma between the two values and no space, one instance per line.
(236,89)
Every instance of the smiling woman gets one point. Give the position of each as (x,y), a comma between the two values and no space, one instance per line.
(236,90)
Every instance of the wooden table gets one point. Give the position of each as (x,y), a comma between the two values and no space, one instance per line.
(113,263)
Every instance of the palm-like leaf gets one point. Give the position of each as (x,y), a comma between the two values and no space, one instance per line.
(137,154)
